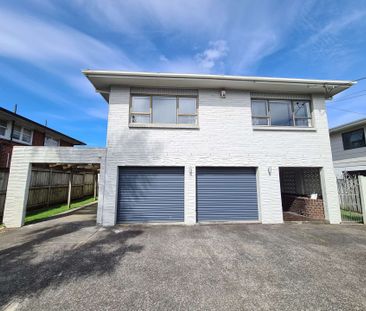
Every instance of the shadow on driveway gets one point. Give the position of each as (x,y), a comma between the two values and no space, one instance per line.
(56,252)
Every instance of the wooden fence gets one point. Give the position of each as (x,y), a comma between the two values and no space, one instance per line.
(48,187)
(350,198)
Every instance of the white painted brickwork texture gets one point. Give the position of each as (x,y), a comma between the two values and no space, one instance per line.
(20,170)
(225,138)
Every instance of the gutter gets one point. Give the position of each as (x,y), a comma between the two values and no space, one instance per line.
(126,74)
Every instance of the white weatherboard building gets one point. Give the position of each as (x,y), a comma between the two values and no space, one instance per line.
(349,147)
(200,148)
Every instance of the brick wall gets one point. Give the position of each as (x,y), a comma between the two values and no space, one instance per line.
(6,149)
(65,144)
(38,138)
(307,207)
(5,154)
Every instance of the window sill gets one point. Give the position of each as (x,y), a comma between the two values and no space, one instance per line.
(284,128)
(163,126)
(21,142)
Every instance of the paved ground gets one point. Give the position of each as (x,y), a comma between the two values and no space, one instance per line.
(69,263)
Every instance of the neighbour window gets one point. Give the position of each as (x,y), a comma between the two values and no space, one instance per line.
(22,134)
(3,127)
(163,110)
(354,139)
(281,113)
(51,142)
(17,132)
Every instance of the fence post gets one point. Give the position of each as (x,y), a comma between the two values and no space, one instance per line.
(362,183)
(49,187)
(95,185)
(69,191)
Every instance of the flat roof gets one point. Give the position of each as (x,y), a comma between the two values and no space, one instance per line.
(14,116)
(102,80)
(348,126)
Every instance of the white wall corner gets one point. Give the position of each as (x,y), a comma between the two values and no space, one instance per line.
(17,193)
(332,210)
(270,204)
(190,195)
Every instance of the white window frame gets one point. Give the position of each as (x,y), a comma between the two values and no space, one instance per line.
(20,140)
(294,118)
(6,128)
(151,112)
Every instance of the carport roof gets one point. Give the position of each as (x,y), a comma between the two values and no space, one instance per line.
(102,80)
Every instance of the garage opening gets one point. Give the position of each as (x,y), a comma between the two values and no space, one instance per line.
(59,188)
(226,194)
(301,194)
(150,194)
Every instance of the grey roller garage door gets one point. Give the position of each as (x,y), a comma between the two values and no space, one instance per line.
(150,194)
(226,194)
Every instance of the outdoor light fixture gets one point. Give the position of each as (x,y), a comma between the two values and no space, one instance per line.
(270,170)
(222,93)
(190,171)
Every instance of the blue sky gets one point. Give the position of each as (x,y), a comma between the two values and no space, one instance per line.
(44,45)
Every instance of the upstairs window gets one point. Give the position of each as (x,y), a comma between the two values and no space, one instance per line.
(3,127)
(281,113)
(354,139)
(22,134)
(163,110)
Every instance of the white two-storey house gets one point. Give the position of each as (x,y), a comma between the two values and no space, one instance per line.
(184,148)
(207,148)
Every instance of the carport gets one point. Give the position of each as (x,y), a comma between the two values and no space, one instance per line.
(69,158)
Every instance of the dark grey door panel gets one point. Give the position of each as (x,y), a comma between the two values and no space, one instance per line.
(226,194)
(150,194)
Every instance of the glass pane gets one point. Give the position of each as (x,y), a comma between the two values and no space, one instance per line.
(187,120)
(355,139)
(260,121)
(16,132)
(3,123)
(3,126)
(49,141)
(302,109)
(280,113)
(303,122)
(259,108)
(140,104)
(187,105)
(138,118)
(27,135)
(164,110)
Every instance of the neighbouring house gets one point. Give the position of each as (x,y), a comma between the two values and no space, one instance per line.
(191,148)
(349,148)
(16,130)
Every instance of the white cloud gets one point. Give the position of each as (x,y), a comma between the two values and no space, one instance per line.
(56,48)
(326,40)
(214,53)
(44,43)
(100,112)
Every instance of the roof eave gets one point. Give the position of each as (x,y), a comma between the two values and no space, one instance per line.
(214,81)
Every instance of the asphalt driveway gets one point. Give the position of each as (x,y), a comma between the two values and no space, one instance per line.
(69,263)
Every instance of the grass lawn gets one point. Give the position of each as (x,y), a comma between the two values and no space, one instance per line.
(351,216)
(41,214)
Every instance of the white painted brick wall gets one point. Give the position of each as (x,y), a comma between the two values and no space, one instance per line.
(18,184)
(225,138)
